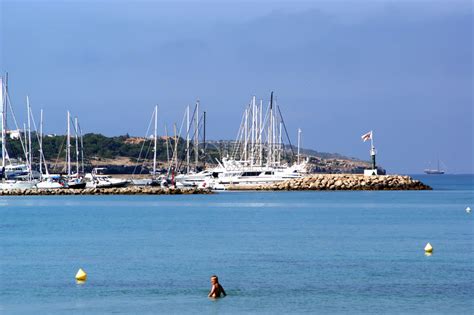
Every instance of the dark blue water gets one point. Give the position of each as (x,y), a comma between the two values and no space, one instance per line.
(285,252)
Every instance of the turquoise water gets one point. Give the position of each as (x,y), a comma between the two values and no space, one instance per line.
(282,252)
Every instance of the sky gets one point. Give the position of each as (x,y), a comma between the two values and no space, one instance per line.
(403,69)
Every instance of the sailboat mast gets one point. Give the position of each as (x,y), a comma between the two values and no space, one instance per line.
(187,139)
(25,132)
(246,133)
(204,139)
(260,130)
(272,132)
(28,146)
(253,141)
(82,150)
(41,143)
(3,113)
(77,146)
(175,151)
(167,146)
(280,142)
(30,154)
(299,144)
(68,145)
(155,139)
(196,136)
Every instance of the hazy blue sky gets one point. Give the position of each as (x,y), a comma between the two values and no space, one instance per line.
(338,68)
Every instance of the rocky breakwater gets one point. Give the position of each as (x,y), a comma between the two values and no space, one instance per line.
(131,190)
(349,182)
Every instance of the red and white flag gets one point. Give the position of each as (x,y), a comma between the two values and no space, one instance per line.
(367,136)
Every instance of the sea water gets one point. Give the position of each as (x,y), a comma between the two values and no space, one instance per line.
(274,252)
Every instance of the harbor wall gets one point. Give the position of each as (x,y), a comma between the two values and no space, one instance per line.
(344,182)
(130,190)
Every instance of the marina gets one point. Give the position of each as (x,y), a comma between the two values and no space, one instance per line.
(259,157)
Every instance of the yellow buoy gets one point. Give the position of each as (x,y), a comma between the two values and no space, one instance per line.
(428,248)
(81,275)
(468,210)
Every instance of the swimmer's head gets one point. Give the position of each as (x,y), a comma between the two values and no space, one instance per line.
(214,279)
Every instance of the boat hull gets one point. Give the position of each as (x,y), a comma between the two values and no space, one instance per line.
(9,185)
(434,172)
(77,185)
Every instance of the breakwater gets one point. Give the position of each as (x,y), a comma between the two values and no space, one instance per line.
(345,182)
(131,190)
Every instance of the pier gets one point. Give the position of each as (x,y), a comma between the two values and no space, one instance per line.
(344,182)
(130,190)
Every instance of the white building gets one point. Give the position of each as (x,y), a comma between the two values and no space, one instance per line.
(14,134)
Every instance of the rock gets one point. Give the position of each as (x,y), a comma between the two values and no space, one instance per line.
(350,182)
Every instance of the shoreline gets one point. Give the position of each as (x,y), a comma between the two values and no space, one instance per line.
(319,182)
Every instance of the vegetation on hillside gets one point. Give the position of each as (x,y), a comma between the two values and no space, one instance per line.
(99,150)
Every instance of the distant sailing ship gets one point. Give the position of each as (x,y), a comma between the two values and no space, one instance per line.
(436,171)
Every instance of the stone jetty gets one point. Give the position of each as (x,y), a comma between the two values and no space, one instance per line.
(131,190)
(346,182)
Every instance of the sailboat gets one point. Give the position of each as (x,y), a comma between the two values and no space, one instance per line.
(75,181)
(150,181)
(26,180)
(437,171)
(56,181)
(48,181)
(191,177)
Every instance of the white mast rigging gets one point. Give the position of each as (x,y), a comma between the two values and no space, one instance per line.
(3,118)
(30,154)
(155,135)
(68,145)
(77,146)
(196,136)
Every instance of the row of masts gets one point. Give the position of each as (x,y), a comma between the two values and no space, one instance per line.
(259,141)
(78,154)
(77,135)
(27,141)
(195,122)
(194,126)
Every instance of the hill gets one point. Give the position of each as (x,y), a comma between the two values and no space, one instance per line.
(127,154)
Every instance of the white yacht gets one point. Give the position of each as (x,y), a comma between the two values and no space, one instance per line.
(17,184)
(142,181)
(20,171)
(257,156)
(200,179)
(52,182)
(242,176)
(97,179)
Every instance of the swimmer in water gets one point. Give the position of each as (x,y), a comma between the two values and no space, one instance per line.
(216,289)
